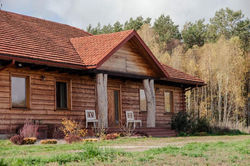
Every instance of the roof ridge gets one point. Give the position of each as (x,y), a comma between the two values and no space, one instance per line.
(103,34)
(45,20)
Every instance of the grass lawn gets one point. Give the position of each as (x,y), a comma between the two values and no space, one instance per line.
(209,150)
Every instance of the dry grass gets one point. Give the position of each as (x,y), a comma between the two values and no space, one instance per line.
(209,150)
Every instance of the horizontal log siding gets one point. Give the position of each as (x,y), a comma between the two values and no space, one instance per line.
(43,99)
(83,97)
(130,101)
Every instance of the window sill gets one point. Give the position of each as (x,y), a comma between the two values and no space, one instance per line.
(168,113)
(61,109)
(20,109)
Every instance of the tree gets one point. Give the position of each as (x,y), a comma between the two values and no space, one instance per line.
(166,30)
(117,27)
(243,31)
(107,29)
(95,31)
(137,23)
(224,23)
(194,33)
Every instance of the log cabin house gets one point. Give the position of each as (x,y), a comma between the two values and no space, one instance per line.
(49,71)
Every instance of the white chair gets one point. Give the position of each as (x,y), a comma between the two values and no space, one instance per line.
(131,119)
(90,117)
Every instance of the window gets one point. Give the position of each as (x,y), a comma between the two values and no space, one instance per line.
(143,102)
(19,92)
(61,95)
(168,96)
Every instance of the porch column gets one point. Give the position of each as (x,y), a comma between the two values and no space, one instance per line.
(150,98)
(102,101)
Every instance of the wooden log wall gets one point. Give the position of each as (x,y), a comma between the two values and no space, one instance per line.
(130,100)
(128,59)
(42,106)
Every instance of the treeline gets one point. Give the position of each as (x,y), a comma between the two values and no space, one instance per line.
(225,22)
(218,52)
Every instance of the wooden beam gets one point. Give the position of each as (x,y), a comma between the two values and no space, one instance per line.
(102,100)
(8,64)
(150,98)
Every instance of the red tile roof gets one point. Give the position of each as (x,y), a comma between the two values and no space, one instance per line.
(93,49)
(177,75)
(38,39)
(44,41)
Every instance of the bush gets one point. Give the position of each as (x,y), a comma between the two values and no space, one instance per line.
(221,130)
(17,139)
(201,125)
(29,130)
(29,140)
(71,127)
(112,136)
(72,131)
(90,140)
(48,141)
(181,122)
(57,133)
(72,138)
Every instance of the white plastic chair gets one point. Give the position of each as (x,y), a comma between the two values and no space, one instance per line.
(90,117)
(131,119)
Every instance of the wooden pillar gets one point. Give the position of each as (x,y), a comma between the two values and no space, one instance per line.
(150,98)
(102,100)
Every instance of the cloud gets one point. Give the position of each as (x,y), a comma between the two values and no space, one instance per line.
(81,13)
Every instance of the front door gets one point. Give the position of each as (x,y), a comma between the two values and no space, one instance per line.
(113,107)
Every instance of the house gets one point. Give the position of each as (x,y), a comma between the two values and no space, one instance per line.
(49,71)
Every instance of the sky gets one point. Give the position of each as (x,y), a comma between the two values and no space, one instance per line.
(81,13)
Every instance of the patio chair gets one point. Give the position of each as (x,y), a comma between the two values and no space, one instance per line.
(90,117)
(131,119)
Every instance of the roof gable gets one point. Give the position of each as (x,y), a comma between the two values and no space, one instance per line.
(95,50)
(130,60)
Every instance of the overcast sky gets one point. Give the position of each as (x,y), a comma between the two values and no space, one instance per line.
(81,13)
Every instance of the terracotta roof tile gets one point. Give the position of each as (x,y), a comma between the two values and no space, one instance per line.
(92,49)
(175,74)
(39,39)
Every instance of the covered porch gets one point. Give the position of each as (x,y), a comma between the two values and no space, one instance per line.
(116,96)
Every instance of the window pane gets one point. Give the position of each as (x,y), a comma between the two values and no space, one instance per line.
(168,101)
(61,94)
(143,103)
(18,91)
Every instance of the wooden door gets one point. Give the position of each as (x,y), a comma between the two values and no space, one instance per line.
(113,107)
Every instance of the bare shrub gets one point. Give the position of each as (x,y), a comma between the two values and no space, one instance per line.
(101,133)
(127,130)
(29,129)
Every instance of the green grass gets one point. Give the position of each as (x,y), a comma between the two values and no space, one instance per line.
(231,151)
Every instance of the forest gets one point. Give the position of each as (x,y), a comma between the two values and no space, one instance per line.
(216,50)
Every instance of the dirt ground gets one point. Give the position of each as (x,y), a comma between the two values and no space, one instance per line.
(150,143)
